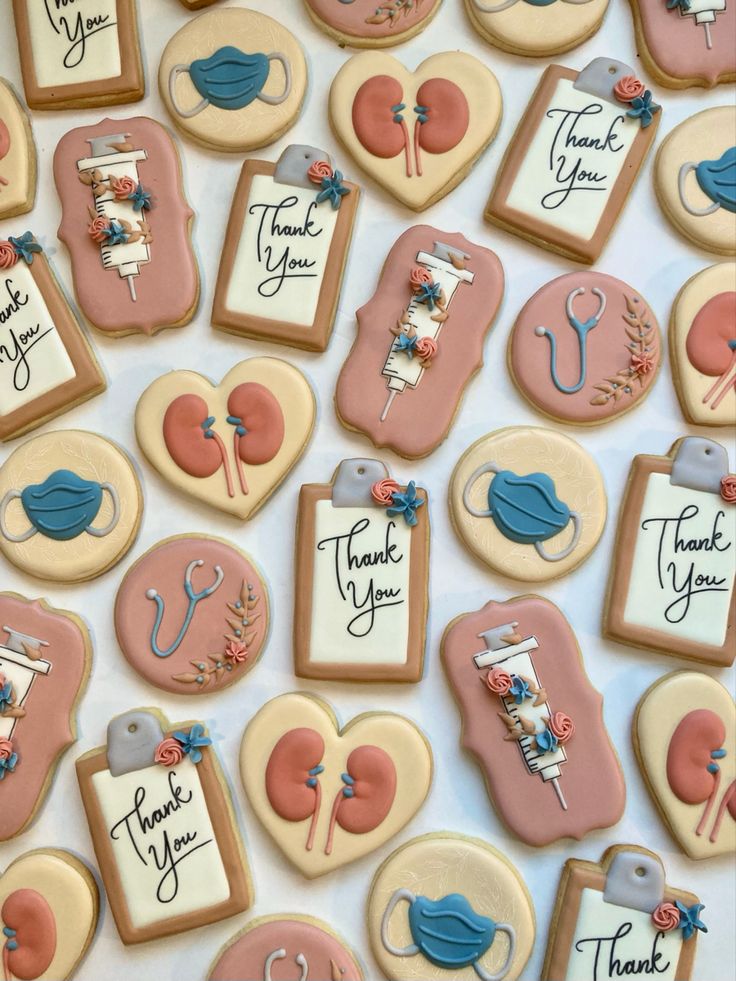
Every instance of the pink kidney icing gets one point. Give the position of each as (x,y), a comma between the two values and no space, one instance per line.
(163,271)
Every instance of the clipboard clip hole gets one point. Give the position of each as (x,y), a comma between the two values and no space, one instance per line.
(641,871)
(132,727)
(361,471)
(611,69)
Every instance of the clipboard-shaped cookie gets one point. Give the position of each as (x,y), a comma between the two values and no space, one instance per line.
(285,249)
(672,580)
(163,827)
(618,917)
(362,565)
(574,158)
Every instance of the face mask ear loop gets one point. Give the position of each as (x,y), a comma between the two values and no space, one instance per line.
(184,113)
(500,975)
(101,532)
(398,896)
(276,955)
(301,960)
(485,468)
(11,496)
(681,179)
(578,528)
(275,100)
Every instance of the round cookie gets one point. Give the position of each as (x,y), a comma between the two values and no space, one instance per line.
(372,23)
(233,79)
(446,907)
(286,944)
(525,524)
(703,346)
(536,28)
(70,506)
(695,179)
(192,615)
(585,348)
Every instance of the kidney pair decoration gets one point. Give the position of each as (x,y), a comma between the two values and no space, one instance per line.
(329,796)
(229,445)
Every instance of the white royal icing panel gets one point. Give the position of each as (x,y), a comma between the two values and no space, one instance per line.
(74,41)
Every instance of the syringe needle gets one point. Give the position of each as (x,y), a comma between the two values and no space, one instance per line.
(131,284)
(389,400)
(558,791)
(708,40)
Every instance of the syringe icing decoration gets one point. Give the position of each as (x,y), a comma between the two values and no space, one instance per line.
(539,732)
(117,221)
(703,12)
(433,282)
(20,664)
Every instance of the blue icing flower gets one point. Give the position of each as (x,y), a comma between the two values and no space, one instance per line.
(7,764)
(115,234)
(643,109)
(6,696)
(406,503)
(406,344)
(546,741)
(519,689)
(690,919)
(141,199)
(192,741)
(25,246)
(684,5)
(428,293)
(332,190)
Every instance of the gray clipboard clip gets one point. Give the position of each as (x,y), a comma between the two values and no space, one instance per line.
(132,739)
(351,487)
(295,161)
(600,77)
(635,880)
(699,464)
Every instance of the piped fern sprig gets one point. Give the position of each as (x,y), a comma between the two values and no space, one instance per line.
(391,10)
(642,348)
(515,732)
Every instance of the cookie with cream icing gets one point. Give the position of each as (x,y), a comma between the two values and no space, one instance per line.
(536,28)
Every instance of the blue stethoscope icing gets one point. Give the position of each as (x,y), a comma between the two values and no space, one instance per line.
(490,8)
(280,954)
(230,79)
(525,509)
(448,932)
(716,179)
(61,508)
(193,600)
(582,329)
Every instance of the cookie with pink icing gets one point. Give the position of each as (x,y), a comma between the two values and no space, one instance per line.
(585,348)
(372,23)
(272,947)
(192,615)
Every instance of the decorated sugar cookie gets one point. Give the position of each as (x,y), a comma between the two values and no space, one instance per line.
(192,615)
(329,795)
(444,907)
(532,719)
(46,364)
(703,346)
(695,179)
(684,734)
(163,828)
(671,587)
(233,79)
(362,565)
(74,56)
(619,917)
(285,249)
(45,660)
(536,27)
(372,23)
(271,946)
(527,523)
(197,4)
(229,445)
(584,131)
(17,155)
(404,378)
(686,42)
(416,133)
(126,223)
(585,348)
(49,905)
(70,506)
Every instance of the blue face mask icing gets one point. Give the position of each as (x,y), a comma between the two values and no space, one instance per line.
(525,509)
(230,79)
(716,179)
(61,508)
(448,932)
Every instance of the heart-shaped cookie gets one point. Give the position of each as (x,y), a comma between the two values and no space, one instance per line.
(326,795)
(48,913)
(416,133)
(684,735)
(229,445)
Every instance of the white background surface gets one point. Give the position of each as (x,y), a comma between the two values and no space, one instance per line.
(643,251)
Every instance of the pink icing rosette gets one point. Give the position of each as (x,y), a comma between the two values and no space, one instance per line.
(6,749)
(426,348)
(8,255)
(122,187)
(499,681)
(642,363)
(666,917)
(236,652)
(383,490)
(319,170)
(628,88)
(419,276)
(728,488)
(562,726)
(169,752)
(97,228)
